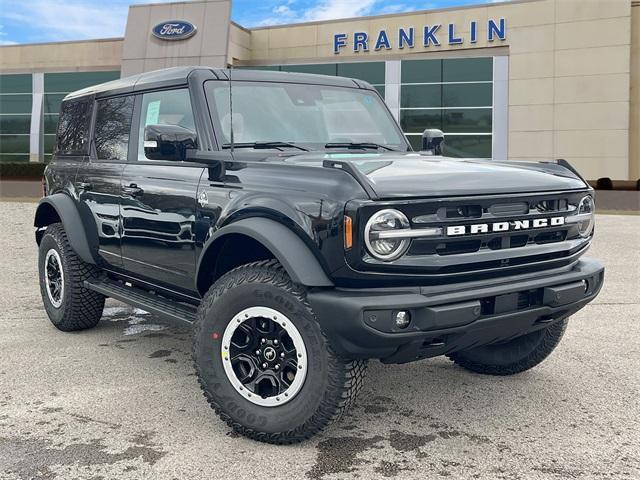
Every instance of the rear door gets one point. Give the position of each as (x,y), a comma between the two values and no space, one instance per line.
(158,200)
(98,179)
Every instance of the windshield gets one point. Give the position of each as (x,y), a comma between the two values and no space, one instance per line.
(312,115)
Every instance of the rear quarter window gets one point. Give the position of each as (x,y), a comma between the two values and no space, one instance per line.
(73,127)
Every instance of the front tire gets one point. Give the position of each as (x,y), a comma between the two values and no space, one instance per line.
(515,356)
(69,305)
(263,361)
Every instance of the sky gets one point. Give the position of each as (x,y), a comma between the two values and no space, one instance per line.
(34,21)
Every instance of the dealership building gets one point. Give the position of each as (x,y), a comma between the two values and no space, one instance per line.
(532,79)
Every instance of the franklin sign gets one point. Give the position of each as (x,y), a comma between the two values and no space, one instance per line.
(426,37)
(174,30)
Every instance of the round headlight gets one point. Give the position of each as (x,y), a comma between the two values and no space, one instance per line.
(376,234)
(586,209)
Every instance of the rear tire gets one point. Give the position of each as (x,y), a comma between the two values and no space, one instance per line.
(276,308)
(515,356)
(69,305)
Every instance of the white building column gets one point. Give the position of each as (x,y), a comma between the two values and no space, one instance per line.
(37,121)
(500,127)
(392,79)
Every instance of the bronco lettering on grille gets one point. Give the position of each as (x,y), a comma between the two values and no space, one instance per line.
(504,226)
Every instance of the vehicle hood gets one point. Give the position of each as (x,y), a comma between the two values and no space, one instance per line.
(401,175)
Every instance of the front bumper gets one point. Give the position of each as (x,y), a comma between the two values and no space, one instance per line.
(452,317)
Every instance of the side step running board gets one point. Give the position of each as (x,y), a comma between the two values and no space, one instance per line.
(163,307)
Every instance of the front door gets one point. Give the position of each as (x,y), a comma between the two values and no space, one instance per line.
(158,201)
(98,179)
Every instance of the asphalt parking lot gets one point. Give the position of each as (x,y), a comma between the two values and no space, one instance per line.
(121,400)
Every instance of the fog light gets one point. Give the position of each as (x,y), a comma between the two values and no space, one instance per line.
(403,319)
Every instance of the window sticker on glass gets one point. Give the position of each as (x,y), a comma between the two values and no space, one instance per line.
(153,113)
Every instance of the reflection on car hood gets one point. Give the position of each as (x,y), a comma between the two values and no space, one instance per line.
(397,174)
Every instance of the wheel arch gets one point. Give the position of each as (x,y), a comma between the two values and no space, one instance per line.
(270,239)
(61,208)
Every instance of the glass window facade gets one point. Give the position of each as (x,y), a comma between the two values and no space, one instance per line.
(71,81)
(15,83)
(467,69)
(453,95)
(15,103)
(13,124)
(15,116)
(372,72)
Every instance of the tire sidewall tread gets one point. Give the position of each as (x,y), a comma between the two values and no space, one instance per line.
(331,383)
(81,308)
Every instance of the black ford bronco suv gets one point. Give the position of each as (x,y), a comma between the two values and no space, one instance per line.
(287,218)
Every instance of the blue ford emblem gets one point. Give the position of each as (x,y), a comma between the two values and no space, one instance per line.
(174,30)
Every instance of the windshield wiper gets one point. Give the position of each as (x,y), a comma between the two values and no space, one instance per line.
(357,145)
(265,145)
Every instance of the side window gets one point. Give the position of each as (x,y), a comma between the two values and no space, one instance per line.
(171,107)
(113,125)
(73,127)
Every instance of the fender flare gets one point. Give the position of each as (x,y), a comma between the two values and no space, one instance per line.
(67,211)
(288,248)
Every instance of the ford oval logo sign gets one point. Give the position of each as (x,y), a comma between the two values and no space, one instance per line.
(174,30)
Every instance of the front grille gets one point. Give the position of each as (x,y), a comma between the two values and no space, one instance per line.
(495,210)
(481,247)
(500,242)
(512,241)
(450,248)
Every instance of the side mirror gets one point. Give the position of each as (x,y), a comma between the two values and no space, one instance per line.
(432,141)
(168,142)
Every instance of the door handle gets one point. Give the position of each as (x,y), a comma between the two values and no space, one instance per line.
(84,186)
(132,190)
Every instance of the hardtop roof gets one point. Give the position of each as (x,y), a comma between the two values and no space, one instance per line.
(179,76)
